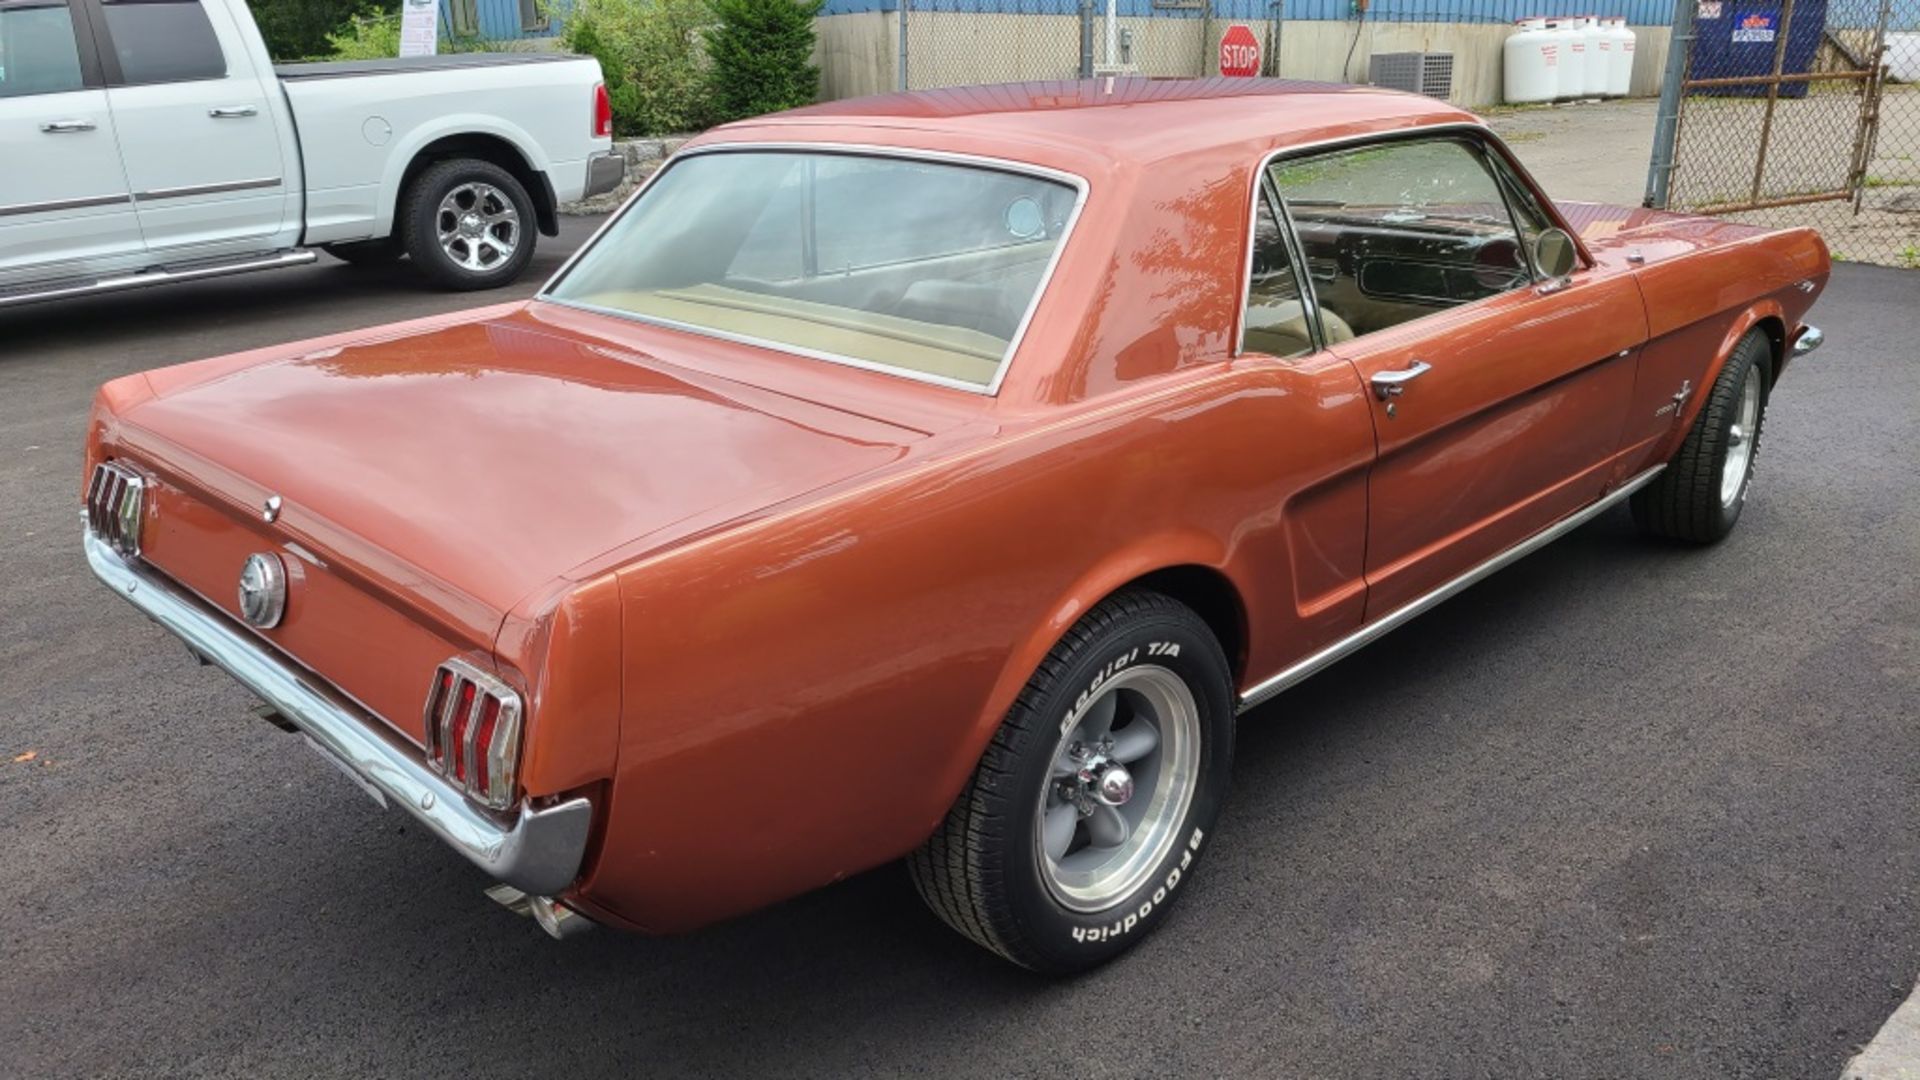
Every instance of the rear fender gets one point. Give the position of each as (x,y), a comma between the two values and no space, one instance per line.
(1149,554)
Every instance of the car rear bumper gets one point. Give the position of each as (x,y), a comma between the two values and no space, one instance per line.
(538,852)
(1809,339)
(604,173)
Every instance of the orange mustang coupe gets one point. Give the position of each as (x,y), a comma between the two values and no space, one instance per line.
(936,476)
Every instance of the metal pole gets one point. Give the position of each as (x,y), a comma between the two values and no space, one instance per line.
(1666,129)
(1113,33)
(1086,39)
(904,7)
(1276,12)
(1773,97)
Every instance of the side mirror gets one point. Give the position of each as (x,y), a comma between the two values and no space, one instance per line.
(1555,254)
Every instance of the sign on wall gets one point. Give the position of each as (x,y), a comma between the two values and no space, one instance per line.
(420,28)
(1754,27)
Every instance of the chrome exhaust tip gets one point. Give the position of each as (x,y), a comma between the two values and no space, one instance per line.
(557,919)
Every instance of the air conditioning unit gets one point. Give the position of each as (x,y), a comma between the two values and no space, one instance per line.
(1417,73)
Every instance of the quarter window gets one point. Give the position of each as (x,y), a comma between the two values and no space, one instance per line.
(38,54)
(1405,229)
(160,41)
(1276,313)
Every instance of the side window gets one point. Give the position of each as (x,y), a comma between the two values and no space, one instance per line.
(160,41)
(38,54)
(1276,315)
(1527,212)
(1407,228)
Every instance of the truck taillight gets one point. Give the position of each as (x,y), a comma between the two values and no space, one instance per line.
(602,112)
(473,732)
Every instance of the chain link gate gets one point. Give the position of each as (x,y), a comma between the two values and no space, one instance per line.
(971,42)
(1797,112)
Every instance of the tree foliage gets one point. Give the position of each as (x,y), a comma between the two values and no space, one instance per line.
(303,29)
(762,54)
(652,57)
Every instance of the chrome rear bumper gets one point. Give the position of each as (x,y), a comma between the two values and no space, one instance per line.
(1809,339)
(539,852)
(604,173)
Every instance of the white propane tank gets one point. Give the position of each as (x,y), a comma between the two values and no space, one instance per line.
(1573,57)
(1531,60)
(1620,83)
(1599,56)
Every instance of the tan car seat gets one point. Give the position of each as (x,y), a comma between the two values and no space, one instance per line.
(1281,329)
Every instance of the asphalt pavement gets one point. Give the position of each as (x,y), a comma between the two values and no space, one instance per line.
(1626,809)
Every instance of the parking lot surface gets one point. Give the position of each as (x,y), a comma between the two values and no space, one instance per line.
(1625,809)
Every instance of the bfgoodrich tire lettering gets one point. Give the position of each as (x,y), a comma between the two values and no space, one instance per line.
(987,872)
(1699,496)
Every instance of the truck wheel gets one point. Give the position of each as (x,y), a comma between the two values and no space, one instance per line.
(1699,496)
(1091,806)
(468,224)
(382,252)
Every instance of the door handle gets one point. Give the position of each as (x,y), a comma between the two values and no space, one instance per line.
(1390,384)
(66,127)
(232,112)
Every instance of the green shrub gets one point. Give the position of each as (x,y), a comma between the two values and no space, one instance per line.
(654,62)
(762,53)
(369,36)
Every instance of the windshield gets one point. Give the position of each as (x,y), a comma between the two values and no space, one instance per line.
(919,267)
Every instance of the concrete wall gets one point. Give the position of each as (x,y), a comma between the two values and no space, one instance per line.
(857,52)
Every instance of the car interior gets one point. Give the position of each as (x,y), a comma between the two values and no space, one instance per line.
(1387,234)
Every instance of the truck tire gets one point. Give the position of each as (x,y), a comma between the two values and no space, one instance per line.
(1698,498)
(468,224)
(382,252)
(1093,802)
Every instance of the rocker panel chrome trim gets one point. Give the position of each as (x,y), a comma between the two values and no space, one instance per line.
(1393,620)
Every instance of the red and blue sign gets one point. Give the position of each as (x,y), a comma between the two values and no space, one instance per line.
(1754,27)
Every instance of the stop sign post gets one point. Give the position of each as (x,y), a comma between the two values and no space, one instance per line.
(1239,52)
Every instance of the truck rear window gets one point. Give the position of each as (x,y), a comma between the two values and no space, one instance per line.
(921,267)
(159,41)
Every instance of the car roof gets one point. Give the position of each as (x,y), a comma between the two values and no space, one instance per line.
(1128,117)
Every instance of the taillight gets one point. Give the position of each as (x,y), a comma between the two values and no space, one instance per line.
(473,732)
(114,497)
(602,112)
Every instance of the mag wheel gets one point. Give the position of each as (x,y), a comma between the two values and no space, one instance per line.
(1699,496)
(469,225)
(1092,804)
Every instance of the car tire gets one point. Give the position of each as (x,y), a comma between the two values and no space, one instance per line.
(990,871)
(382,252)
(468,224)
(1699,496)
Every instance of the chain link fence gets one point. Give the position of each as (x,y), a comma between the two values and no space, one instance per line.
(1800,112)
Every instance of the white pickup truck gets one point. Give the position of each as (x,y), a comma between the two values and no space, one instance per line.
(147,141)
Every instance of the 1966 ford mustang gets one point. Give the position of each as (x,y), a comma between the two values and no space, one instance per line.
(936,475)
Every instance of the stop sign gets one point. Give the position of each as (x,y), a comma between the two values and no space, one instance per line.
(1239,52)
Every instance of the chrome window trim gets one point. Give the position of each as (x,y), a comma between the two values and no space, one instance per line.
(205,189)
(1265,690)
(1451,127)
(64,204)
(943,157)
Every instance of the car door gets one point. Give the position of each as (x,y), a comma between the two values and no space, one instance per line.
(197,128)
(1498,398)
(64,205)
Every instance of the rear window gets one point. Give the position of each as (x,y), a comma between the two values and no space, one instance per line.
(919,267)
(161,41)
